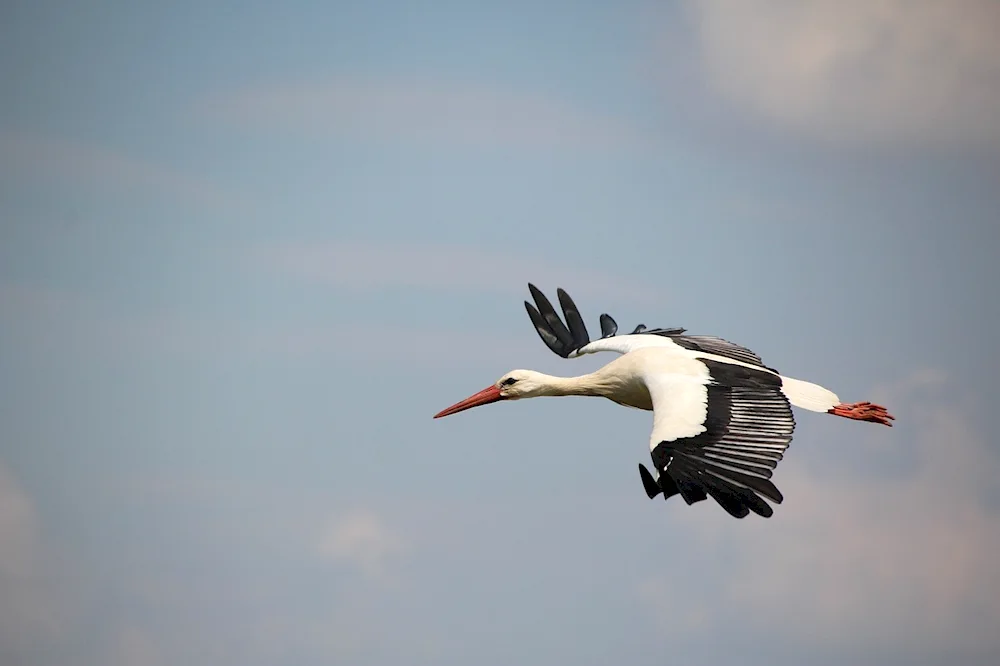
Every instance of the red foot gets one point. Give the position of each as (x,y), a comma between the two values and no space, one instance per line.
(863,411)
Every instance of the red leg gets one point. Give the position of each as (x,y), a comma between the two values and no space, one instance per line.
(863,411)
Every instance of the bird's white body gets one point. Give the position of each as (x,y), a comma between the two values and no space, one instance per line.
(721,419)
(799,393)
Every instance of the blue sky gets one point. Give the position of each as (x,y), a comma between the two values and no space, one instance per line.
(246,253)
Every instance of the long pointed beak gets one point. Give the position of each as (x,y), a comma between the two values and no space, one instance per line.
(484,397)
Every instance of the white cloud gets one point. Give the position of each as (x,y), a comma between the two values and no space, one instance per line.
(423,109)
(28,615)
(896,565)
(361,539)
(888,69)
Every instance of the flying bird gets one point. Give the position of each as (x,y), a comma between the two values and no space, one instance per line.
(721,419)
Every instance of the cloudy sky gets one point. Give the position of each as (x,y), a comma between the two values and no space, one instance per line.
(248,250)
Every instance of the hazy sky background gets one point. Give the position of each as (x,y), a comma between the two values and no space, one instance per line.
(247,250)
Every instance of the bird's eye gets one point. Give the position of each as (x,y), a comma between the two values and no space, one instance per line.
(509,381)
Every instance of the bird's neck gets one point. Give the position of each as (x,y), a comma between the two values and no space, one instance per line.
(592,384)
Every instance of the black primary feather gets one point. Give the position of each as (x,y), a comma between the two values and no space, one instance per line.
(608,326)
(576,326)
(556,326)
(545,331)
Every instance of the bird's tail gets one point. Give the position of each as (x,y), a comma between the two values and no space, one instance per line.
(818,399)
(808,395)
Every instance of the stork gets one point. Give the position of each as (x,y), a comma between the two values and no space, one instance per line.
(721,419)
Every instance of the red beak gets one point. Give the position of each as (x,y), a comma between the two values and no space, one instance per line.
(484,397)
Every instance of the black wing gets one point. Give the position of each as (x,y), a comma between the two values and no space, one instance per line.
(748,424)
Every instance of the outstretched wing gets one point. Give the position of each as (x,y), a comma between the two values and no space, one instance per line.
(571,339)
(718,431)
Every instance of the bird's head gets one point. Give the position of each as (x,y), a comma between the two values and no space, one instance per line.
(514,385)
